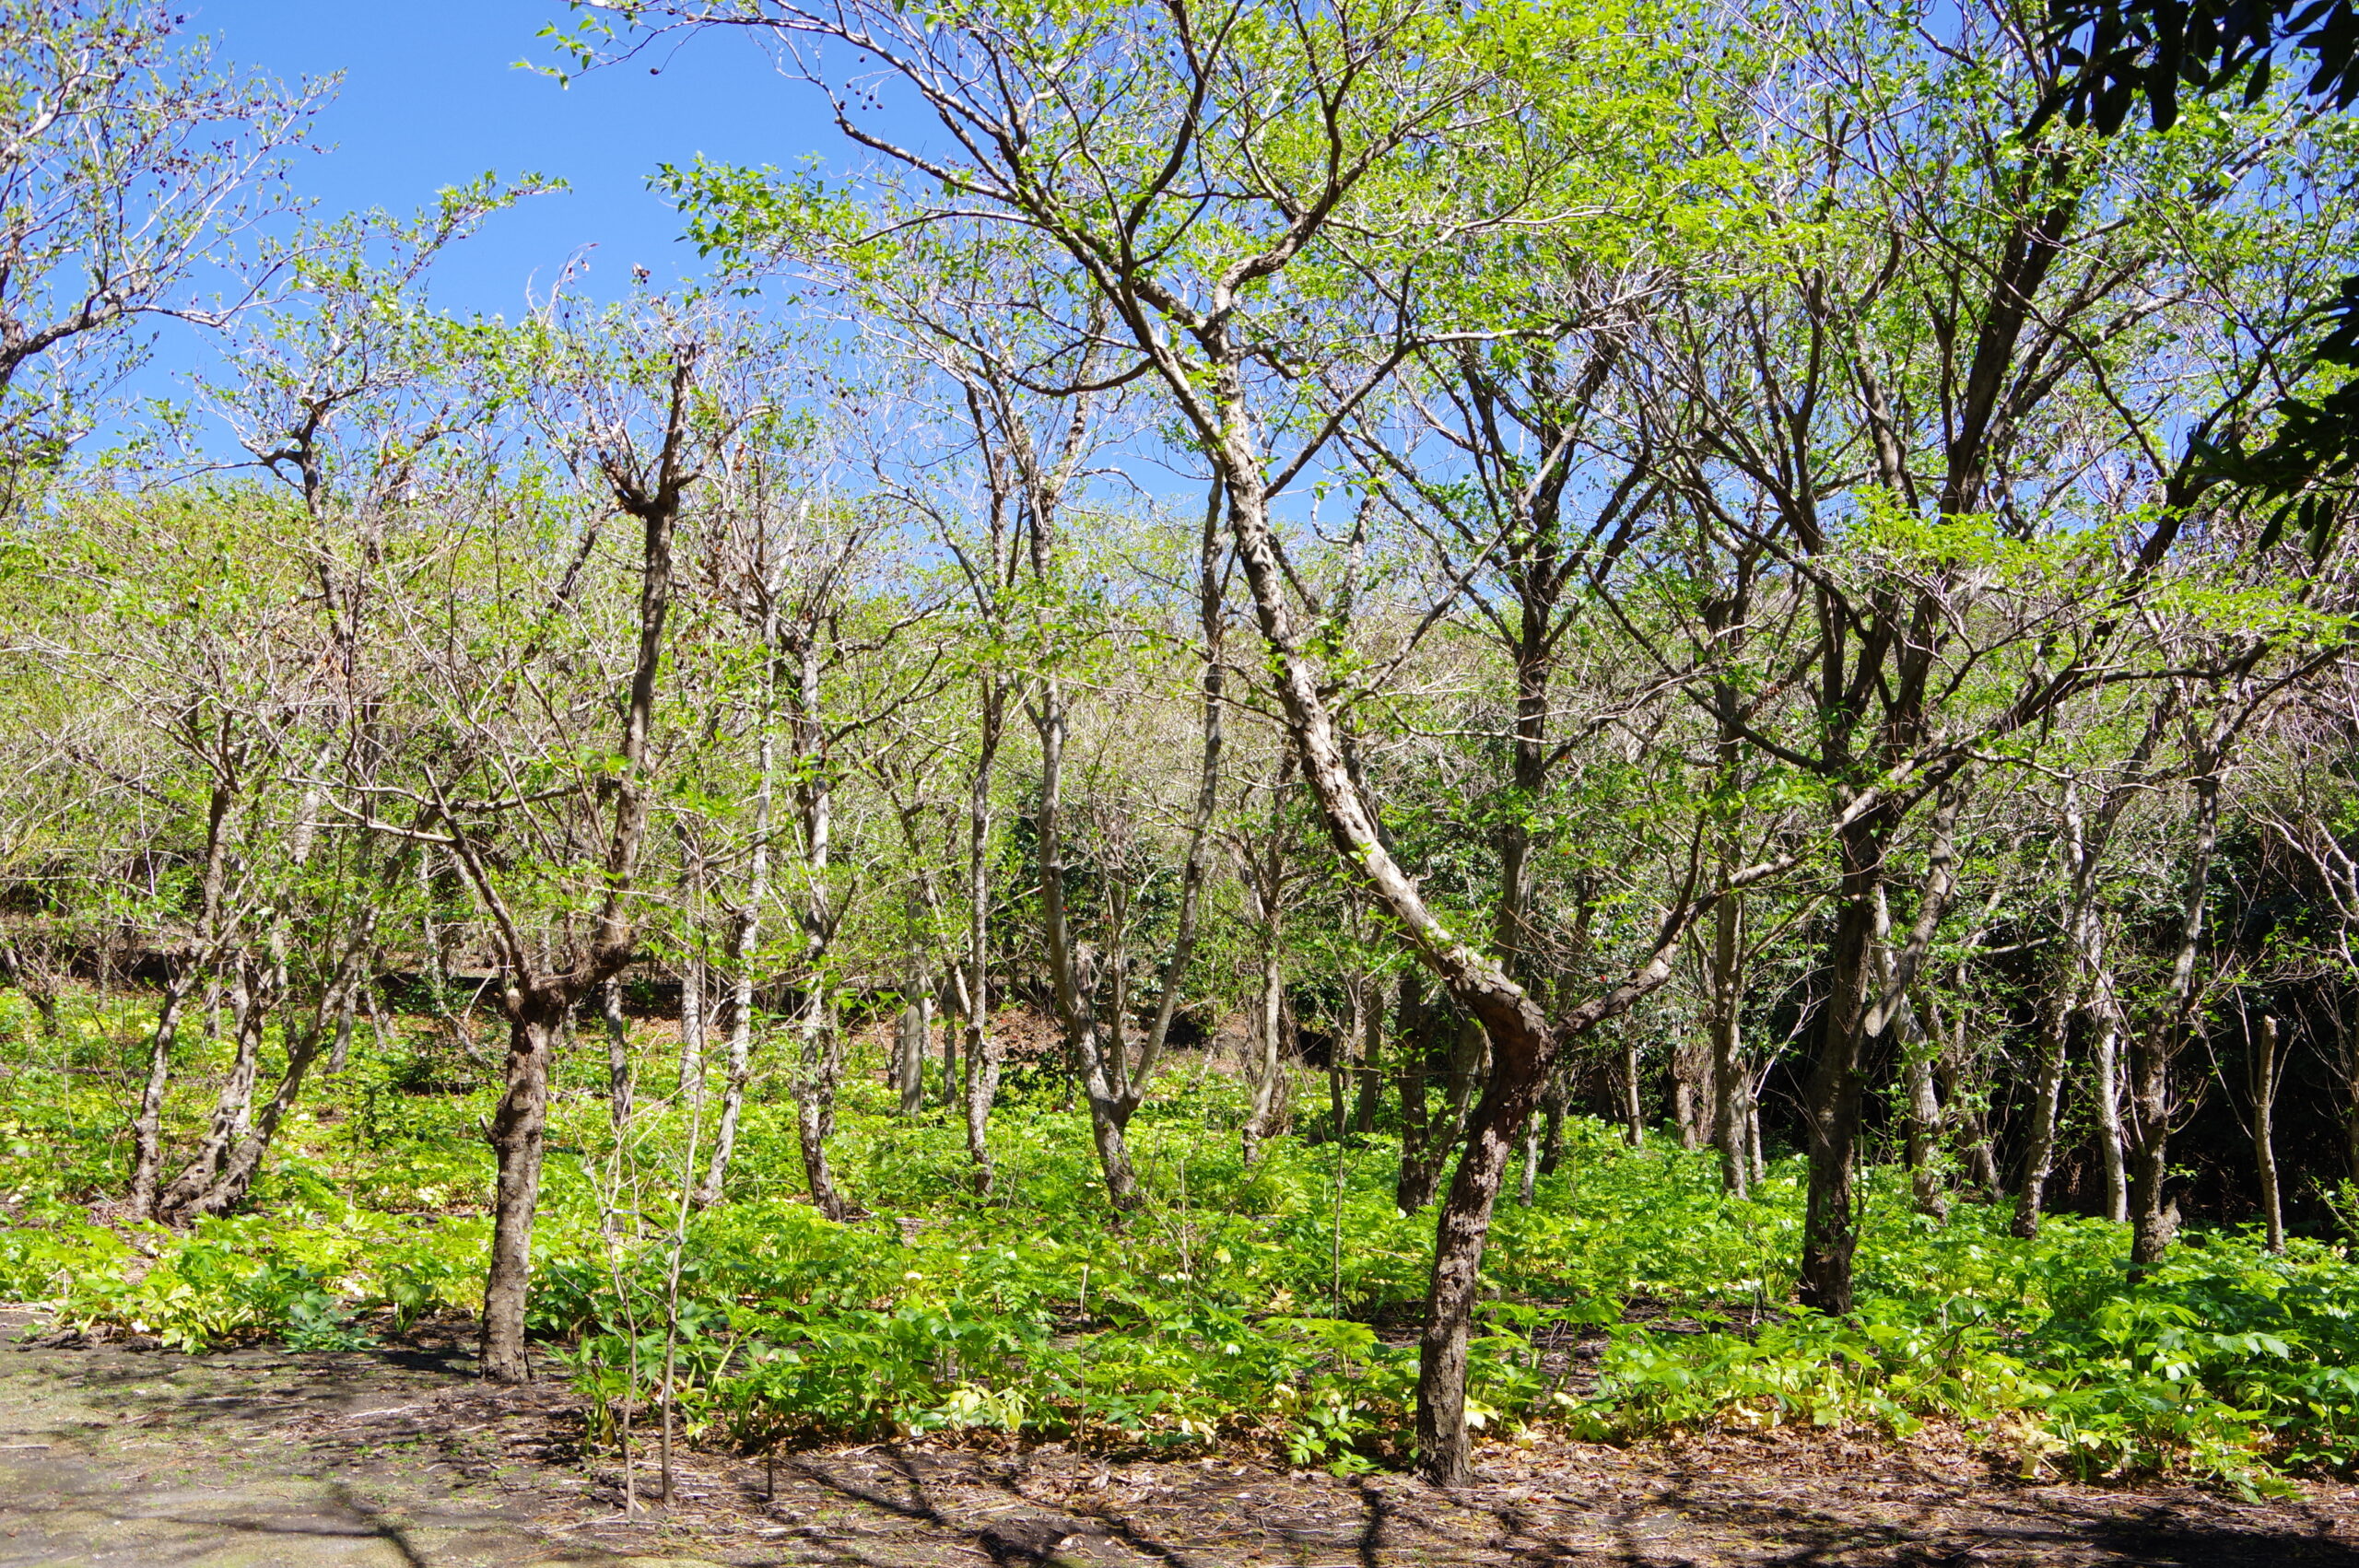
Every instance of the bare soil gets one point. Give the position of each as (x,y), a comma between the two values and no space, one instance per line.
(115,1455)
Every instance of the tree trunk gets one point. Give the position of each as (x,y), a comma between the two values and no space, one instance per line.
(1730,1078)
(1633,1108)
(1918,1044)
(1371,1061)
(745,930)
(820,1066)
(690,1077)
(1463,1225)
(2105,1058)
(1831,1103)
(618,1073)
(330,1014)
(251,997)
(1420,1164)
(914,1032)
(1267,1073)
(1072,976)
(983,1049)
(2048,1096)
(1924,1129)
(517,1130)
(2264,1146)
(1553,1105)
(1691,1095)
(148,1127)
(1868,996)
(1524,1044)
(2155,1047)
(735,1074)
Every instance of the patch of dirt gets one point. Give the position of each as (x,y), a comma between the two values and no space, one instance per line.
(111,1455)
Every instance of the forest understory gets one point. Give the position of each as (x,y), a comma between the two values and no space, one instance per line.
(399,1457)
(1221,1377)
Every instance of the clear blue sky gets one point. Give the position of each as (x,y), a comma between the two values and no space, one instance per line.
(432,97)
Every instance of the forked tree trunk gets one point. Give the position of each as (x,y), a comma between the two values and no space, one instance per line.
(234,1175)
(251,997)
(538,999)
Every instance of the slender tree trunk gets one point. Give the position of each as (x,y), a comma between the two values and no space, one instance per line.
(1553,1102)
(1341,1068)
(1371,1061)
(618,1073)
(331,1011)
(2264,1146)
(914,1031)
(1730,1078)
(2105,1058)
(1072,979)
(1414,1187)
(1267,1073)
(821,1066)
(983,1048)
(340,1052)
(735,1074)
(2153,1049)
(746,927)
(2046,1097)
(1918,1045)
(1634,1110)
(518,1133)
(1924,1129)
(693,1009)
(148,1127)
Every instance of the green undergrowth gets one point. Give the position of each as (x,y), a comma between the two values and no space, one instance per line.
(1273,1306)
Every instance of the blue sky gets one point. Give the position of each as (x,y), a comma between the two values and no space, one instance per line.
(432,97)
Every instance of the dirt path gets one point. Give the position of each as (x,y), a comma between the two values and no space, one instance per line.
(265,1459)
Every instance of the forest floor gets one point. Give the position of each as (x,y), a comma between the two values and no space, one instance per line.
(111,1454)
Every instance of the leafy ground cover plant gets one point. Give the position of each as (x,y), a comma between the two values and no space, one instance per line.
(1265,1307)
